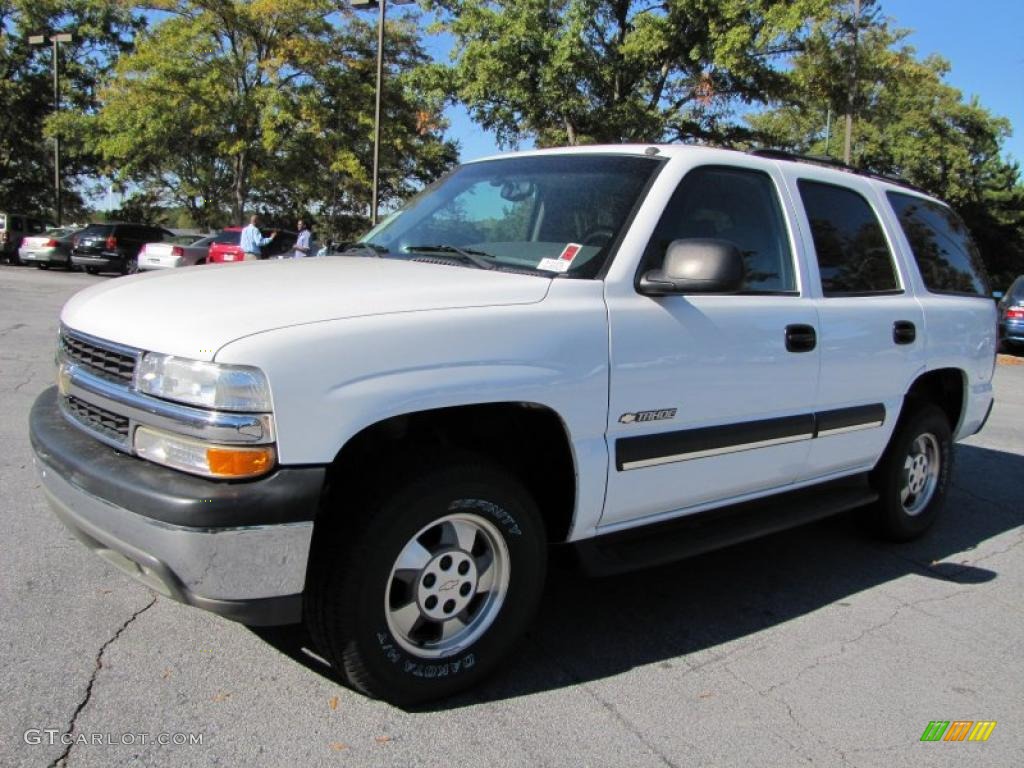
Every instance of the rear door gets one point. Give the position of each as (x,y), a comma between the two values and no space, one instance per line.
(709,400)
(871,325)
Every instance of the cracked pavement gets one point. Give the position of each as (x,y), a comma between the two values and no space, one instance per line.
(816,646)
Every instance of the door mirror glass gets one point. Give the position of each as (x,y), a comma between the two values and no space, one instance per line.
(696,266)
(997,295)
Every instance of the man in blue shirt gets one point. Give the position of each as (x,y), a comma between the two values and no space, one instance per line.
(252,240)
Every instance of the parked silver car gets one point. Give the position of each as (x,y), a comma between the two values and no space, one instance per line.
(53,247)
(180,251)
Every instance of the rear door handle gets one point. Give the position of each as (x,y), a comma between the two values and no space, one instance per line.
(904,332)
(801,338)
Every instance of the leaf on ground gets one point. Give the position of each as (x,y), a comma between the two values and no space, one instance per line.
(382,739)
(337,746)
(221,696)
(333,703)
(166,674)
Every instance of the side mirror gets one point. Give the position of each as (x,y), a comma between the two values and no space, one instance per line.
(696,266)
(997,295)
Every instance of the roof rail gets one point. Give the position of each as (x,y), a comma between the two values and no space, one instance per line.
(831,162)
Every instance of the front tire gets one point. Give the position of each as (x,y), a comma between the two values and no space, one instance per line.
(912,477)
(426,590)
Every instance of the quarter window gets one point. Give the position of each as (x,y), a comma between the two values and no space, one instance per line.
(853,256)
(737,205)
(947,257)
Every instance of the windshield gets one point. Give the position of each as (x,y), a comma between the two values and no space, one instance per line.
(559,214)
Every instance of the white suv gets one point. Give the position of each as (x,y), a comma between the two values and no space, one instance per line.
(645,352)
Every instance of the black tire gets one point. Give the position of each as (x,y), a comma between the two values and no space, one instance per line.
(130,265)
(912,489)
(42,266)
(351,580)
(92,270)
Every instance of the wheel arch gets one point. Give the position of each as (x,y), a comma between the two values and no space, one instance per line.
(946,388)
(530,438)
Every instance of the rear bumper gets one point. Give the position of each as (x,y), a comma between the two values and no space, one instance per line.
(1012,330)
(48,256)
(184,537)
(101,260)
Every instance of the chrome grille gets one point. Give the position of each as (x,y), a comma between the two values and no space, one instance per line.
(108,424)
(107,362)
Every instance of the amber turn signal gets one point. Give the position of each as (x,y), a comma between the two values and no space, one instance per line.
(240,462)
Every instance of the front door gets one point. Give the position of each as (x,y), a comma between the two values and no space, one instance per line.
(712,396)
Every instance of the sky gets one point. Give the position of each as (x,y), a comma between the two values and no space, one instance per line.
(981,39)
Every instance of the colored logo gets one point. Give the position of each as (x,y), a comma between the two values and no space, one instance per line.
(958,730)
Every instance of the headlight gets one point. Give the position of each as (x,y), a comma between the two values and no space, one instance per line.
(210,385)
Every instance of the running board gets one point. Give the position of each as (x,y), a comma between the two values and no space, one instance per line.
(651,545)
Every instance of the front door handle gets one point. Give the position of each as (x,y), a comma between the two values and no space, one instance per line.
(801,338)
(904,332)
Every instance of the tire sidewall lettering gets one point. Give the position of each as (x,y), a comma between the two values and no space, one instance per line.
(498,514)
(424,669)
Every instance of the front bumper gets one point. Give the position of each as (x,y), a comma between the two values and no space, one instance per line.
(237,549)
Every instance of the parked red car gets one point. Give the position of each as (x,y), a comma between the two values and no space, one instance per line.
(225,246)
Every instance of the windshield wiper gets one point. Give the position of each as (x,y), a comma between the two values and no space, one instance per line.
(364,249)
(471,255)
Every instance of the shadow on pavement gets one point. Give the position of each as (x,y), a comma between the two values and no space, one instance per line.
(588,629)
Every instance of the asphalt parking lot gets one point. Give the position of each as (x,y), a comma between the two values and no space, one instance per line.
(816,646)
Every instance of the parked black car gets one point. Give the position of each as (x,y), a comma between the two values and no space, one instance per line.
(114,247)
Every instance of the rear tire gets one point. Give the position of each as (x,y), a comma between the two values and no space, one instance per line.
(42,266)
(92,270)
(422,593)
(912,477)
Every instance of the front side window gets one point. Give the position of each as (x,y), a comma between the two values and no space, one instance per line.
(737,205)
(853,256)
(522,213)
(943,249)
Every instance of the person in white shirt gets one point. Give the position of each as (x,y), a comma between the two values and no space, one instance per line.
(302,243)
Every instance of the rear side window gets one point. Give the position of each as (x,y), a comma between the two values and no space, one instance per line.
(737,205)
(947,257)
(853,256)
(233,238)
(1016,293)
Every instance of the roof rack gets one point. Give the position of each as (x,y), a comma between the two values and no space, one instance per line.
(831,162)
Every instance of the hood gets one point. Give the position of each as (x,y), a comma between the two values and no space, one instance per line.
(194,311)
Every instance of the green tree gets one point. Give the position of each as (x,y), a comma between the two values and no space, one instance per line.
(102,29)
(229,105)
(908,122)
(580,71)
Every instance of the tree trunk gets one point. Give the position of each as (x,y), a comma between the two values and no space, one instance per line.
(240,188)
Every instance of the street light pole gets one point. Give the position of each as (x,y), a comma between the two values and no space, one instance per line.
(851,96)
(381,6)
(376,114)
(64,37)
